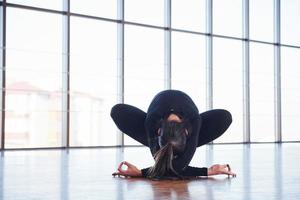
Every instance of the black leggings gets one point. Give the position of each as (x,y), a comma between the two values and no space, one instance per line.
(130,120)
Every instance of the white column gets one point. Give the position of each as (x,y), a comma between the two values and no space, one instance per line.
(66,76)
(209,54)
(246,76)
(120,63)
(2,74)
(277,70)
(167,47)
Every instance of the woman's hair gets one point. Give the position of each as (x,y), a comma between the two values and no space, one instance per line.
(172,139)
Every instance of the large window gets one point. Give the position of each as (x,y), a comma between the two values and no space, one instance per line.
(227,17)
(261,20)
(65,66)
(189,15)
(188,66)
(33,79)
(145,12)
(144,66)
(92,82)
(228,85)
(262,92)
(290,93)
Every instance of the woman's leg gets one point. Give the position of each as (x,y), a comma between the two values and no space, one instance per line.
(130,120)
(214,124)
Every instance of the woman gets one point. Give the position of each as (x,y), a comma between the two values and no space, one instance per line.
(172,128)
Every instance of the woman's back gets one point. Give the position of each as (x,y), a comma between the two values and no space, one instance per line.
(172,101)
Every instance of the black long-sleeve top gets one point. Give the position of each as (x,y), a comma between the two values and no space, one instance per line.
(177,102)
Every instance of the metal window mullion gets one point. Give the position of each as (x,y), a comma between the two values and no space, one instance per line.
(66,76)
(209,55)
(167,46)
(277,72)
(246,74)
(120,63)
(3,68)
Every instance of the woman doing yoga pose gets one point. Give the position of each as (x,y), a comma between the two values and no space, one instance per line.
(172,128)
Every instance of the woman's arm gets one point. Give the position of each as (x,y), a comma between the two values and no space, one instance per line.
(203,171)
(194,171)
(189,171)
(213,170)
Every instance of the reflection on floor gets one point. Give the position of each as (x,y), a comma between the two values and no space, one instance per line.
(264,171)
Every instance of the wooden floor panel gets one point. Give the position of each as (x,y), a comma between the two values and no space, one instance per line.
(264,171)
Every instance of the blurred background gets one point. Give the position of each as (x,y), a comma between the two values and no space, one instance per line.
(65,63)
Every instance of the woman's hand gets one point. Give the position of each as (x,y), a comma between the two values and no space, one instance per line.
(131,170)
(220,169)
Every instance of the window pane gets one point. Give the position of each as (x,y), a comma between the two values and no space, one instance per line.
(261,20)
(33,79)
(189,15)
(31,129)
(262,92)
(146,12)
(93,82)
(188,66)
(49,4)
(144,66)
(228,85)
(101,8)
(290,77)
(227,17)
(290,17)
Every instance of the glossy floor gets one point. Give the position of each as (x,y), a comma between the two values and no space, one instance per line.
(264,171)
